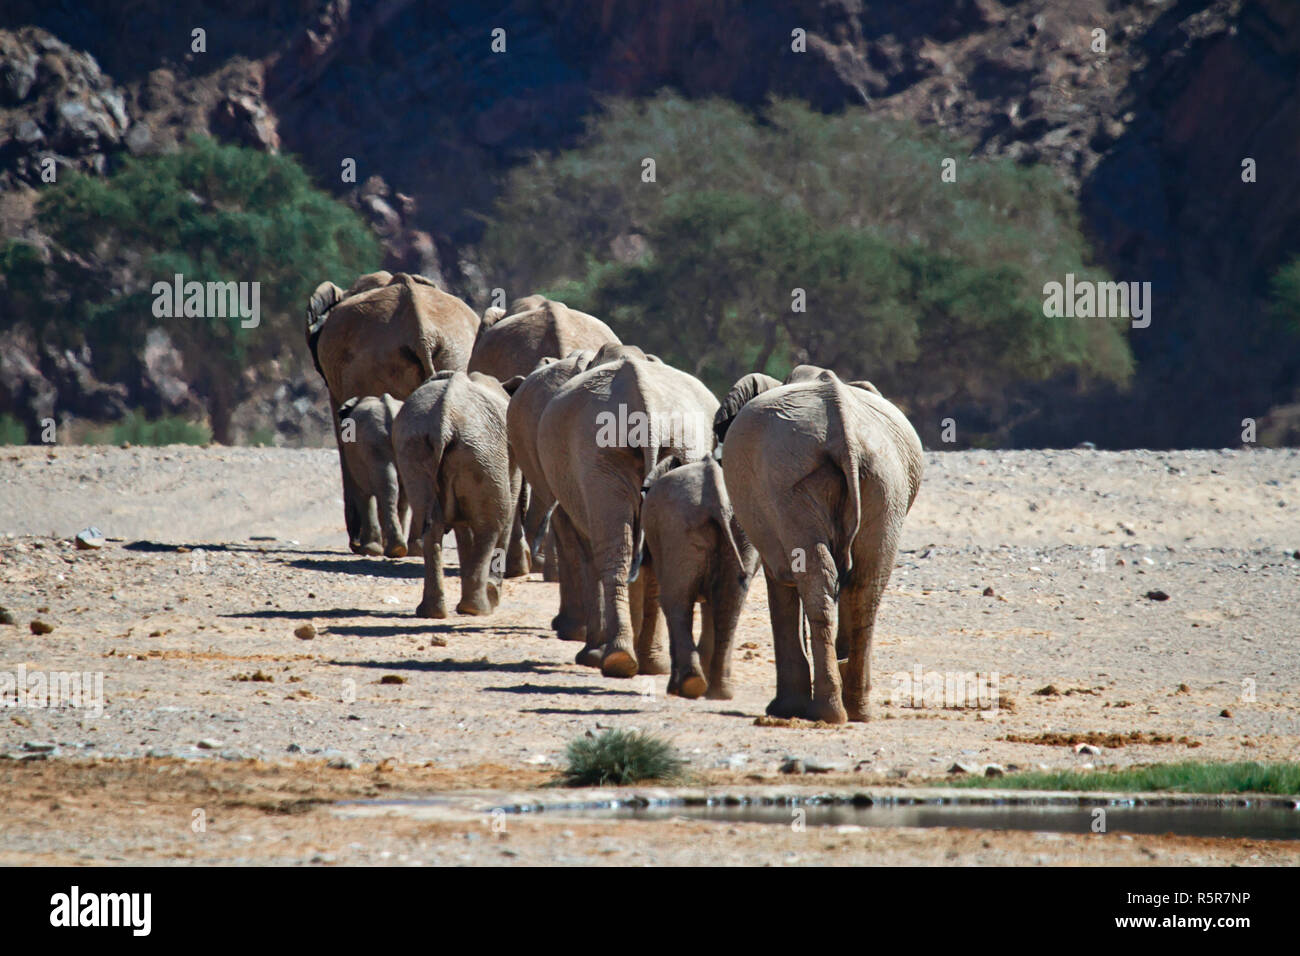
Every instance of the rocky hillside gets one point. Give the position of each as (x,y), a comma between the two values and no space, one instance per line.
(1149,123)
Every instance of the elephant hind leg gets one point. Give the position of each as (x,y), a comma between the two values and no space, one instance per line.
(859,603)
(372,539)
(518,556)
(651,640)
(390,513)
(793,685)
(475,553)
(816,587)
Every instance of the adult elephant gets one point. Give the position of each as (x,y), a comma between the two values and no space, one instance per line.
(536,328)
(388,333)
(821,474)
(510,345)
(527,403)
(598,439)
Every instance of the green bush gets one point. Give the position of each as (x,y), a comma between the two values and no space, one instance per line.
(619,758)
(932,290)
(135,429)
(12,431)
(211,213)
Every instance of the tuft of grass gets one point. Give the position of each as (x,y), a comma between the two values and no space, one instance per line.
(138,430)
(1282,779)
(618,758)
(12,431)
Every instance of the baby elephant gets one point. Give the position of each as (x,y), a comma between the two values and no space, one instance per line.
(365,434)
(450,440)
(698,553)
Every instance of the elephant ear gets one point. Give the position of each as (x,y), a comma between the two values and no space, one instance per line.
(348,407)
(755,383)
(661,468)
(391,406)
(326,296)
(492,315)
(865,386)
(511,385)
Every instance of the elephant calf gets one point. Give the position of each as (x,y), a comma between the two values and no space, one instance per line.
(698,552)
(450,440)
(365,438)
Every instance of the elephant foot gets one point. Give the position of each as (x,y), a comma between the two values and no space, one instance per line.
(372,548)
(788,706)
(567,630)
(654,665)
(550,572)
(431,610)
(720,691)
(415,549)
(828,711)
(396,551)
(618,664)
(517,567)
(692,687)
(355,547)
(589,657)
(859,714)
(475,608)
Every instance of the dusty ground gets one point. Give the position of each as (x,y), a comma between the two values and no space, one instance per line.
(216,556)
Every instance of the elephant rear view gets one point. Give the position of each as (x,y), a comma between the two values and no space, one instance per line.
(698,552)
(821,474)
(450,442)
(513,344)
(387,333)
(365,439)
(598,439)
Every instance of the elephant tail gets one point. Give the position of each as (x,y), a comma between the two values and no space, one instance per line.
(638,542)
(849,462)
(718,504)
(438,445)
(540,538)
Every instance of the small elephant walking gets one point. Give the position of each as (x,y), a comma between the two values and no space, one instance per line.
(821,474)
(365,439)
(450,441)
(698,552)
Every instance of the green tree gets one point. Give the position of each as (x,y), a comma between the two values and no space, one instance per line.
(211,213)
(932,290)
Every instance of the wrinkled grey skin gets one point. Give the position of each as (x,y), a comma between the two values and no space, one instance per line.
(450,441)
(698,552)
(821,474)
(527,403)
(368,422)
(597,485)
(536,328)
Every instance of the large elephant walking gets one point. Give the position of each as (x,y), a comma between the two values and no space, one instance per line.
(511,345)
(598,439)
(821,474)
(387,333)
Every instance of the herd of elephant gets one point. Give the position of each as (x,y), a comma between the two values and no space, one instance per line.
(543,443)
